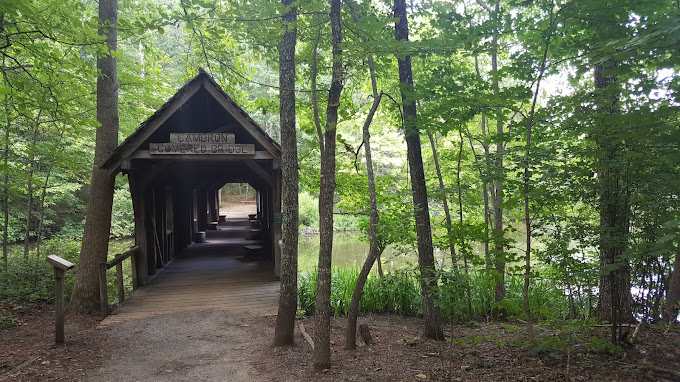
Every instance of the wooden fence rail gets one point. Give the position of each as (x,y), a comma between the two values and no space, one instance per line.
(118,263)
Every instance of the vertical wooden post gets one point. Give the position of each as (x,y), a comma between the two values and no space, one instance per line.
(133,269)
(276,227)
(119,282)
(139,262)
(60,267)
(59,305)
(103,293)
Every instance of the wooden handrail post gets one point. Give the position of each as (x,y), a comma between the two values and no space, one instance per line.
(60,268)
(103,292)
(117,261)
(133,270)
(119,282)
(59,305)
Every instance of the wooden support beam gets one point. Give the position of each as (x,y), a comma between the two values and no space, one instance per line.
(260,172)
(138,193)
(276,227)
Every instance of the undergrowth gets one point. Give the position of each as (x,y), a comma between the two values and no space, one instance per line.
(32,280)
(399,292)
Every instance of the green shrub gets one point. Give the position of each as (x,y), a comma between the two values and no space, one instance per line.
(399,292)
(122,214)
(307,291)
(347,222)
(309,210)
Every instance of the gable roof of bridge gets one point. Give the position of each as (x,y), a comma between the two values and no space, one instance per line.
(202,82)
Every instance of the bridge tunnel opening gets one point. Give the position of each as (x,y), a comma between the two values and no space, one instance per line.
(180,207)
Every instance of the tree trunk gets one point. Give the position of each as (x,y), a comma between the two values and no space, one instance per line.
(322,338)
(5,194)
(374,247)
(29,186)
(41,216)
(485,183)
(85,298)
(615,302)
(29,212)
(285,320)
(445,202)
(431,313)
(497,194)
(527,180)
(670,312)
(466,269)
(485,195)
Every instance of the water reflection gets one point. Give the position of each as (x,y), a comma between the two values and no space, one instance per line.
(350,249)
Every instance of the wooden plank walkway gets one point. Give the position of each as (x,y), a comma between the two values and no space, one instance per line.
(209,275)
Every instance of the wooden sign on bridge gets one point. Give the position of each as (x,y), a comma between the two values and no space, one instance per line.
(201,143)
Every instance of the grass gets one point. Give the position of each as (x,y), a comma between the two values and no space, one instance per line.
(399,292)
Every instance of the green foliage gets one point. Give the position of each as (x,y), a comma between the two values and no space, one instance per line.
(307,291)
(348,222)
(122,217)
(309,210)
(399,292)
(33,280)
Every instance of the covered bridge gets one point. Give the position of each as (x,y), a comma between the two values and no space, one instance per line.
(177,161)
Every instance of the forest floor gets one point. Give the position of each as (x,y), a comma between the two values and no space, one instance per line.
(215,345)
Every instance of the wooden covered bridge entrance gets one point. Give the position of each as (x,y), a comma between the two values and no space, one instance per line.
(176,163)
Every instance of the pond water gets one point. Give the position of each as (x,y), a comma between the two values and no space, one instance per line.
(350,250)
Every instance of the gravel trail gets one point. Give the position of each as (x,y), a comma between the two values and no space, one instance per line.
(198,345)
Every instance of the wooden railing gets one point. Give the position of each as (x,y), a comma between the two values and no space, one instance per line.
(118,263)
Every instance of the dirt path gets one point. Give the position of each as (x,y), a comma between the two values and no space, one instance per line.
(201,345)
(218,345)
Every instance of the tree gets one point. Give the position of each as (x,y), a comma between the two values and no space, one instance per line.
(374,247)
(670,313)
(614,203)
(322,341)
(85,297)
(497,196)
(527,174)
(285,320)
(428,282)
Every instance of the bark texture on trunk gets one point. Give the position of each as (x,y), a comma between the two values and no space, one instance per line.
(85,298)
(285,320)
(497,196)
(615,301)
(670,312)
(322,339)
(431,312)
(5,195)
